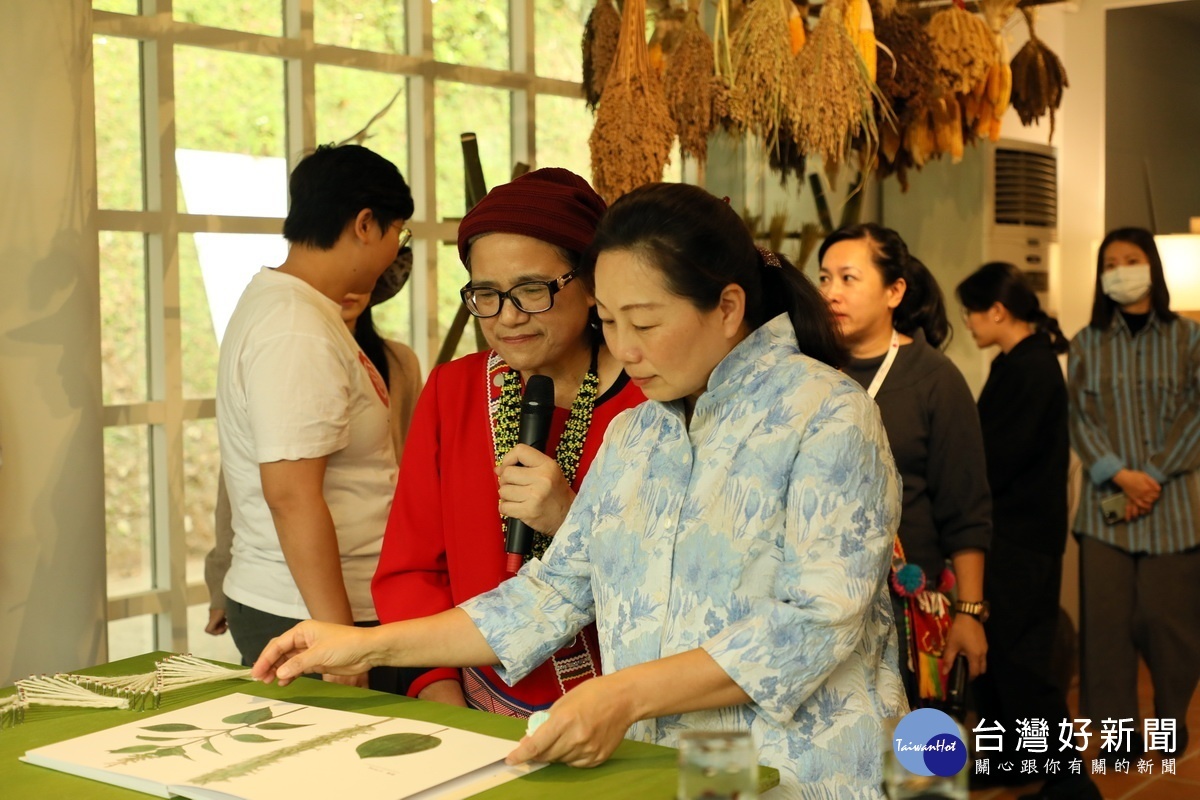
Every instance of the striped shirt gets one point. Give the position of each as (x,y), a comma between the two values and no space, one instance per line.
(1135,404)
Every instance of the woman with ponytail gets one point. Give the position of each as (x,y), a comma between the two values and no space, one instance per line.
(1023,411)
(891,315)
(731,540)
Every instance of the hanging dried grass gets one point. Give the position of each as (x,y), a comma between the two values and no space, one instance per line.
(689,83)
(964,46)
(1038,78)
(764,71)
(908,77)
(836,96)
(631,141)
(600,37)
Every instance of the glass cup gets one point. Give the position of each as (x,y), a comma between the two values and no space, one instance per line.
(717,765)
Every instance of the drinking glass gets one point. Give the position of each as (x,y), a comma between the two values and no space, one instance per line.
(717,765)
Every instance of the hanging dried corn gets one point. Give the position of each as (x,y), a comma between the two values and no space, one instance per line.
(631,141)
(860,24)
(599,46)
(964,46)
(984,106)
(836,97)
(1038,78)
(689,83)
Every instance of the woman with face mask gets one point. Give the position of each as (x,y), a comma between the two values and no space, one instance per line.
(1134,380)
(892,317)
(731,540)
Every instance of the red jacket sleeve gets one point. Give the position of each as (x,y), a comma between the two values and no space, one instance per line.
(412,580)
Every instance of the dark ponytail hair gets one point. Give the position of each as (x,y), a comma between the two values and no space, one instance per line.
(922,306)
(1160,298)
(372,344)
(1001,282)
(701,246)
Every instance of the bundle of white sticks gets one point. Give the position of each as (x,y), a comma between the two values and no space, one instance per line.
(134,692)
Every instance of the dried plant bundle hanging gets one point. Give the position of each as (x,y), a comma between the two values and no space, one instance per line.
(668,25)
(689,82)
(1038,79)
(964,46)
(836,97)
(764,70)
(600,36)
(908,70)
(631,140)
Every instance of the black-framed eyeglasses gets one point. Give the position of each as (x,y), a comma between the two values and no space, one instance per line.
(531,297)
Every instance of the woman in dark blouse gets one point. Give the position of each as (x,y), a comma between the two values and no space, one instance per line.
(1023,412)
(891,316)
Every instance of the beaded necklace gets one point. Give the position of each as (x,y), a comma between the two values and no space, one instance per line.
(506,421)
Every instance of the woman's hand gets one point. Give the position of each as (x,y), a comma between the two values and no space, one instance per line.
(586,725)
(449,692)
(533,489)
(322,647)
(1142,490)
(966,636)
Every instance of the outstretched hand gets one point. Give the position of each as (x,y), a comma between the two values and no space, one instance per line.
(322,647)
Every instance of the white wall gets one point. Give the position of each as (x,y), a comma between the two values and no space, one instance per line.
(52,592)
(1153,124)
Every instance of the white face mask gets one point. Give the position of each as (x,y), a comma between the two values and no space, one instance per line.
(1126,284)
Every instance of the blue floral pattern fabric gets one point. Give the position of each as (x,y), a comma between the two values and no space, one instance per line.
(761,532)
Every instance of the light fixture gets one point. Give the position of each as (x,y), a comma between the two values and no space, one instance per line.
(1181,265)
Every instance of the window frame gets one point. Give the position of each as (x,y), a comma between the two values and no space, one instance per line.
(166,411)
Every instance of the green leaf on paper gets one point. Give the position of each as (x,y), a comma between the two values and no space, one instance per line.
(397,744)
(159,738)
(253,738)
(172,751)
(137,748)
(170,727)
(209,747)
(249,717)
(280,726)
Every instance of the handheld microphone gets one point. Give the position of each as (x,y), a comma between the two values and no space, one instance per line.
(537,411)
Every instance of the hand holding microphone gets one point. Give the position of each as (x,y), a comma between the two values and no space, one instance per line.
(533,493)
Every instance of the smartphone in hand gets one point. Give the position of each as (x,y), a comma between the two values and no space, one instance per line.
(1113,508)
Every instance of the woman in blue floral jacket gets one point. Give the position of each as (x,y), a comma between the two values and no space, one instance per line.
(732,540)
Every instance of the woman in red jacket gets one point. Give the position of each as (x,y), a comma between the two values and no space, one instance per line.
(462,476)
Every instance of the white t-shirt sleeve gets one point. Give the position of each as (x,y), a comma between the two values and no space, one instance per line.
(297,397)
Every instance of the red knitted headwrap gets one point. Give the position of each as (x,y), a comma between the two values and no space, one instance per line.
(552,204)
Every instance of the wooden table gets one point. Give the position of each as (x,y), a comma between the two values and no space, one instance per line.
(636,770)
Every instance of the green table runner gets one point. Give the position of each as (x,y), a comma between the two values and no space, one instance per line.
(636,770)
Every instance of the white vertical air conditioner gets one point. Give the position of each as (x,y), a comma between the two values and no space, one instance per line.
(999,204)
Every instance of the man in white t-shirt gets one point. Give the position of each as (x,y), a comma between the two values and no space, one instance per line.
(302,413)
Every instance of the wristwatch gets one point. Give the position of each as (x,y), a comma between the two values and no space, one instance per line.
(980,611)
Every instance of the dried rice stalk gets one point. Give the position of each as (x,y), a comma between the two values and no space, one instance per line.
(835,92)
(965,48)
(631,141)
(689,83)
(599,47)
(764,71)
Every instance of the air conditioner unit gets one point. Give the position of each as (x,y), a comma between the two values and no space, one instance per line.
(999,204)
